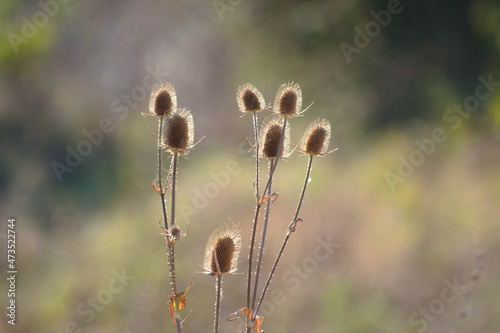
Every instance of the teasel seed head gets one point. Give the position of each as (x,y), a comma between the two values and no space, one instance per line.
(163,100)
(223,249)
(249,98)
(270,136)
(179,135)
(288,101)
(175,232)
(316,138)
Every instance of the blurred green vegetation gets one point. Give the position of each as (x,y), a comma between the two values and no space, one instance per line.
(397,244)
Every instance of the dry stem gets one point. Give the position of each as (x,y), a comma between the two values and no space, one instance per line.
(218,289)
(263,237)
(291,229)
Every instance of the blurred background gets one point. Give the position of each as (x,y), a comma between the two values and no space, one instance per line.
(409,203)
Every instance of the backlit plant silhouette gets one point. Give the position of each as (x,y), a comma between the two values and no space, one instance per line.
(271,143)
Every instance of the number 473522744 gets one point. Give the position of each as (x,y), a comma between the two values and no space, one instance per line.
(11,244)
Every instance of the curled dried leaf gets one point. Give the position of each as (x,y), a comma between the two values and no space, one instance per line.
(255,323)
(177,303)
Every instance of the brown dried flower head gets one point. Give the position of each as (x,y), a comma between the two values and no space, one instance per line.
(223,249)
(288,101)
(163,100)
(270,136)
(179,135)
(175,232)
(316,138)
(249,98)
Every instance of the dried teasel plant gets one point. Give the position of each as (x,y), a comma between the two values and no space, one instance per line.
(272,137)
(275,142)
(314,143)
(222,251)
(163,100)
(316,138)
(287,104)
(288,100)
(177,138)
(221,258)
(271,142)
(249,98)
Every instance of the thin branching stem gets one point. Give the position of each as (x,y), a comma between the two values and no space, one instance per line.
(250,256)
(257,209)
(271,275)
(291,229)
(263,237)
(162,193)
(256,133)
(218,292)
(306,181)
(256,217)
(162,196)
(170,246)
(172,267)
(172,199)
(169,177)
(172,222)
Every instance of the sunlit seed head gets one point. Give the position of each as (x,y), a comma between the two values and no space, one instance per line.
(271,141)
(179,135)
(175,231)
(288,101)
(317,138)
(249,98)
(270,137)
(251,101)
(163,100)
(223,249)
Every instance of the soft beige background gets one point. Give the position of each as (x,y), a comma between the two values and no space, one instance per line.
(397,247)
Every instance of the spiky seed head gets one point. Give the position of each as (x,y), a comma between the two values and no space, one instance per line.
(288,101)
(175,231)
(249,98)
(270,138)
(223,249)
(179,135)
(163,100)
(316,138)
